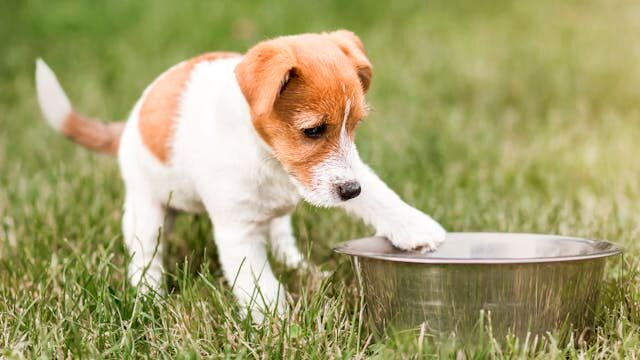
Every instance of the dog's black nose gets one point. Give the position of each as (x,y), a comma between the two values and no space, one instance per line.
(348,190)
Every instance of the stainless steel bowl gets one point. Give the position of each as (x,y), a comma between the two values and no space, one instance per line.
(517,283)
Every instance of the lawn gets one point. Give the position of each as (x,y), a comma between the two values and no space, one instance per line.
(490,116)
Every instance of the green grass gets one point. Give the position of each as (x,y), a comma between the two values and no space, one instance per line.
(508,116)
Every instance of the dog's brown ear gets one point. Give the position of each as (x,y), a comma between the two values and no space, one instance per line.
(263,72)
(351,45)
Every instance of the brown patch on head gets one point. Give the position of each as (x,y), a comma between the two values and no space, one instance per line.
(351,45)
(299,82)
(160,104)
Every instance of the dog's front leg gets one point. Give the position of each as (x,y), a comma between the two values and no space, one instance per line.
(406,227)
(283,242)
(243,256)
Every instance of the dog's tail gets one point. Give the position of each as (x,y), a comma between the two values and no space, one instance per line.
(57,109)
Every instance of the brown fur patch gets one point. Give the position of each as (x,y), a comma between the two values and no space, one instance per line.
(293,76)
(95,135)
(160,105)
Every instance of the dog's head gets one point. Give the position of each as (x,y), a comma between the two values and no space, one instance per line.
(306,96)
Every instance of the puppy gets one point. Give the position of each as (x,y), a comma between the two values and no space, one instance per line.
(243,138)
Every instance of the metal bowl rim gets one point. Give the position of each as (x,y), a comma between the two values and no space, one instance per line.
(615,249)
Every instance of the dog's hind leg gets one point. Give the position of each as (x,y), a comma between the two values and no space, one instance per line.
(143,229)
(283,242)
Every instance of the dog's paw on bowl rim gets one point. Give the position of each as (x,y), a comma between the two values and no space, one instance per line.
(420,249)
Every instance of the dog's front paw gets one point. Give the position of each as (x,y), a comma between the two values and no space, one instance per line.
(286,252)
(413,230)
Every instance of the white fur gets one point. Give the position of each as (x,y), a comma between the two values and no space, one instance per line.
(220,164)
(406,227)
(53,101)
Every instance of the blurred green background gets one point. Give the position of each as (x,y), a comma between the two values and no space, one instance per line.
(491,115)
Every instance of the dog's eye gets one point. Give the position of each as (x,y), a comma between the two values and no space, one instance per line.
(315,132)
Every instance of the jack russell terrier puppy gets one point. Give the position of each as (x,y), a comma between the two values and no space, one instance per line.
(244,137)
